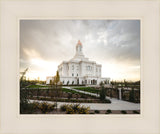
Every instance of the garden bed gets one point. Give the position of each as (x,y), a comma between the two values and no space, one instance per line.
(80,100)
(46,108)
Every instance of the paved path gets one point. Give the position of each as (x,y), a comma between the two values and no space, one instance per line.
(114,105)
(96,106)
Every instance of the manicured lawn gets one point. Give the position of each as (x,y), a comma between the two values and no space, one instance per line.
(87,89)
(69,91)
(74,92)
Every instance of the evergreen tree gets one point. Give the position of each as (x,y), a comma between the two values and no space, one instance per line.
(102,92)
(57,85)
(131,95)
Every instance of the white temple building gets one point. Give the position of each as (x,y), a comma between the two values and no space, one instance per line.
(80,70)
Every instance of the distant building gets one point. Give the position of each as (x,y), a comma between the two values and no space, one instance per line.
(49,79)
(80,70)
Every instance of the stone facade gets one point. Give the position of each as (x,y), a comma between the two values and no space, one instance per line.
(80,70)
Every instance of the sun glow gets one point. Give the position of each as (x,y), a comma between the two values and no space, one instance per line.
(121,71)
(41,69)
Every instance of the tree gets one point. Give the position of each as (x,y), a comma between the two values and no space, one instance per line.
(23,92)
(56,78)
(67,83)
(72,82)
(57,86)
(50,82)
(131,95)
(102,92)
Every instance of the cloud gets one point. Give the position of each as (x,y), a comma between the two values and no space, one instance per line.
(105,41)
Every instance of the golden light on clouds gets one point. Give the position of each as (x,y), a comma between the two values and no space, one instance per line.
(115,44)
(44,69)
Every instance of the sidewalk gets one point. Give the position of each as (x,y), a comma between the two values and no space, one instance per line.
(98,106)
(114,105)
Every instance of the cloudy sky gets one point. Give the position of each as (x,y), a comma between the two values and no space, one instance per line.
(115,44)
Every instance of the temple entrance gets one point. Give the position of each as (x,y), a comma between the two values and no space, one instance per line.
(82,82)
(94,82)
(85,81)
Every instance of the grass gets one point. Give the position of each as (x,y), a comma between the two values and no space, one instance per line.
(70,91)
(88,89)
(75,92)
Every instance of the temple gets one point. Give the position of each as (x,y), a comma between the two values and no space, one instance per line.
(80,70)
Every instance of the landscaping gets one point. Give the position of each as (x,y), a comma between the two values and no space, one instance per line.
(39,98)
(88,89)
(66,95)
(74,109)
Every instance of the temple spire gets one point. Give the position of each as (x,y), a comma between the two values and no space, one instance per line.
(79,42)
(79,47)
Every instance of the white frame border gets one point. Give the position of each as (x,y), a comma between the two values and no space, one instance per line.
(12,11)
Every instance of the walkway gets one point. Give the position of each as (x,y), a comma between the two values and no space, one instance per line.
(97,106)
(114,105)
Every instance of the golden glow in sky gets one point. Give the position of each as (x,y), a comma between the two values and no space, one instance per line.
(115,44)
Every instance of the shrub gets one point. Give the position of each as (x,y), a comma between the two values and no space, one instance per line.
(69,110)
(69,95)
(97,111)
(36,105)
(45,107)
(135,112)
(26,108)
(74,109)
(108,111)
(84,110)
(102,93)
(131,95)
(72,82)
(123,112)
(51,107)
(64,107)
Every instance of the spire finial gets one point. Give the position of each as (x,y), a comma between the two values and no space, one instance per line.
(79,42)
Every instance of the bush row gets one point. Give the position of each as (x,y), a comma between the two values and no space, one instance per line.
(44,107)
(74,109)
